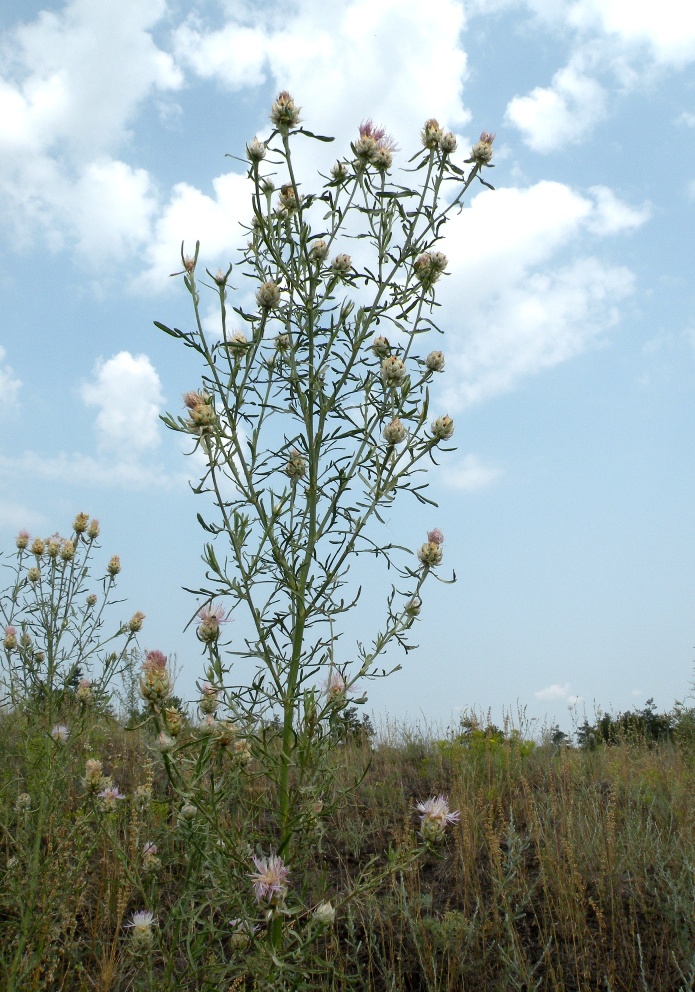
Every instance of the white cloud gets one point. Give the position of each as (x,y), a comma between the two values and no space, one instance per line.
(71,84)
(127,391)
(9,386)
(613,215)
(382,60)
(190,216)
(469,474)
(666,28)
(17,516)
(552,117)
(84,471)
(520,309)
(554,691)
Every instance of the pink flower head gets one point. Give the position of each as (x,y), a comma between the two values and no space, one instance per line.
(437,808)
(487,138)
(10,631)
(369,130)
(149,849)
(435,536)
(210,619)
(270,879)
(154,661)
(23,539)
(111,794)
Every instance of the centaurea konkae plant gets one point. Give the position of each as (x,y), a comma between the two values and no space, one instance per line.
(311,421)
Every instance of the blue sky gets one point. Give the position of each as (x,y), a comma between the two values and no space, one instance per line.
(569,312)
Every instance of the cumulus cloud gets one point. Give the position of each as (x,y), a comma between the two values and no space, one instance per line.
(520,308)
(9,385)
(71,84)
(469,474)
(562,113)
(667,29)
(554,691)
(335,55)
(127,392)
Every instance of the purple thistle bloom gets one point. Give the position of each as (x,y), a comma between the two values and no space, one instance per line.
(270,879)
(435,536)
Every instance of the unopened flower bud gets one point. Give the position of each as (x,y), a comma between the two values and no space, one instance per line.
(394,432)
(93,530)
(284,114)
(80,523)
(435,361)
(442,428)
(296,465)
(67,551)
(282,343)
(341,264)
(135,622)
(430,554)
(381,347)
(53,546)
(94,772)
(324,914)
(33,575)
(481,153)
(38,547)
(393,371)
(165,743)
(255,151)
(413,607)
(268,295)
(91,600)
(23,802)
(431,133)
(340,171)
(318,251)
(84,691)
(448,143)
(174,720)
(428,267)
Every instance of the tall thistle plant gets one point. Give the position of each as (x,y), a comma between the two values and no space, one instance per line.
(312,417)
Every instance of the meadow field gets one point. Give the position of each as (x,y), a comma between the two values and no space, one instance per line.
(571,868)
